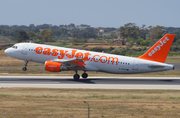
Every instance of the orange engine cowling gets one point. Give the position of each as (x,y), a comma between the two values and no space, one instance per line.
(55,66)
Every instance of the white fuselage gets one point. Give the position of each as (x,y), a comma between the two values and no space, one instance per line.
(93,61)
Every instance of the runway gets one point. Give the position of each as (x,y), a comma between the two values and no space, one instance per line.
(91,82)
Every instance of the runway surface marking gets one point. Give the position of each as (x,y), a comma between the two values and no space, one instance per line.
(91,82)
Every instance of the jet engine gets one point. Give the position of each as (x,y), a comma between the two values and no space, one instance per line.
(55,66)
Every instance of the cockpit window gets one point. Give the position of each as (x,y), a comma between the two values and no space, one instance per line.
(15,47)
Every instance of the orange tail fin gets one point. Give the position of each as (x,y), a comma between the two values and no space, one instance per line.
(159,51)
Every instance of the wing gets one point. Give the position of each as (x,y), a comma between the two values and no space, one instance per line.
(72,63)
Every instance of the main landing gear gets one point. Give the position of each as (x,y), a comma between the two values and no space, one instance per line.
(77,76)
(84,75)
(24,68)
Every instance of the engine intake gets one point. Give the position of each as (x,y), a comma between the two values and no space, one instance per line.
(55,66)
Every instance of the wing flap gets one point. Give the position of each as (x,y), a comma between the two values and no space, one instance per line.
(73,63)
(66,60)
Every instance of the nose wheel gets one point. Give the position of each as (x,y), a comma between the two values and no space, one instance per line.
(24,68)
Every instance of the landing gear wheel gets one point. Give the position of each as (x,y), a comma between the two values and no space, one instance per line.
(84,75)
(24,68)
(76,77)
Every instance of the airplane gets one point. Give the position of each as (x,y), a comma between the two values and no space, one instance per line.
(57,59)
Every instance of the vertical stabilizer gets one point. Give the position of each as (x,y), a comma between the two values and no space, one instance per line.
(159,51)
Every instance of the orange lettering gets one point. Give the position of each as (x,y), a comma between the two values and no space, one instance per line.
(101,59)
(86,56)
(54,52)
(62,54)
(79,54)
(39,50)
(94,58)
(47,51)
(113,60)
(72,54)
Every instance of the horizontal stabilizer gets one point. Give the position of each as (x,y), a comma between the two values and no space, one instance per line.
(155,66)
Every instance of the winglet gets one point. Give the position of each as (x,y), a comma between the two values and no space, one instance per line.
(159,51)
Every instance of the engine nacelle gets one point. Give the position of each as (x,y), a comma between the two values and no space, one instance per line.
(55,66)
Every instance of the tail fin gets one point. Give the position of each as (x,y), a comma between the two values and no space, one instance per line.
(159,51)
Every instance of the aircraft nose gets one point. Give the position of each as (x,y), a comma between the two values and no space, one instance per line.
(7,52)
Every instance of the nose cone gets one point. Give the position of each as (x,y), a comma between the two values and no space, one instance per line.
(7,52)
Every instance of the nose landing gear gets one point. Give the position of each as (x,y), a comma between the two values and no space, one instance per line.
(24,68)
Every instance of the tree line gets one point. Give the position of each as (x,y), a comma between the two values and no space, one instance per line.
(43,37)
(146,36)
(130,33)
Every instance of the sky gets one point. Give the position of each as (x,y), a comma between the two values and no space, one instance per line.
(96,13)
